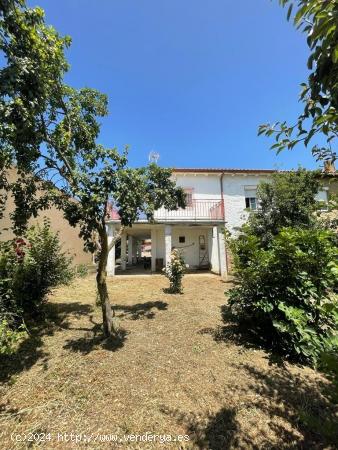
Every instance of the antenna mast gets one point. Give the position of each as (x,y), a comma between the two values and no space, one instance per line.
(153,157)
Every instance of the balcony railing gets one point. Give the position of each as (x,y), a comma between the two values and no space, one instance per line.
(197,211)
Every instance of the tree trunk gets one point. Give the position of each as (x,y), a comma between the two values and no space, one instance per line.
(101,276)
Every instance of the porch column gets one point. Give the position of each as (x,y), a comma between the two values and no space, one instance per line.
(167,244)
(138,250)
(123,251)
(134,252)
(130,250)
(153,249)
(214,257)
(222,257)
(111,254)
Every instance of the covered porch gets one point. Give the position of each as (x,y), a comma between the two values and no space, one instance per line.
(146,248)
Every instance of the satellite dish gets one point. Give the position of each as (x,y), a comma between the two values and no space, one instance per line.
(154,157)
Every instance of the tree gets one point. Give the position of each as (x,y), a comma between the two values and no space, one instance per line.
(285,267)
(319,95)
(288,199)
(50,130)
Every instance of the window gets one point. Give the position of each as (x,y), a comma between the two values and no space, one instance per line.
(188,196)
(251,198)
(181,239)
(322,199)
(250,203)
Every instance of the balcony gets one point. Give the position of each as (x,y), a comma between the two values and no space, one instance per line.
(198,210)
(210,210)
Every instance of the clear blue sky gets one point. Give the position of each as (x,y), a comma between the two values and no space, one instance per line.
(190,79)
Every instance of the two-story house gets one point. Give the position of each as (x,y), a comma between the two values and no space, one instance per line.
(215,198)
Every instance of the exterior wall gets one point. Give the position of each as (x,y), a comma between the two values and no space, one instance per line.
(204,186)
(190,247)
(69,236)
(209,187)
(234,198)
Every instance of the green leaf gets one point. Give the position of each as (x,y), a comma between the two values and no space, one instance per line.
(289,12)
(335,54)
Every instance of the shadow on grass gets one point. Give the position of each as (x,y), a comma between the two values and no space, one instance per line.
(59,313)
(95,339)
(170,291)
(218,432)
(140,310)
(30,351)
(274,409)
(307,403)
(243,334)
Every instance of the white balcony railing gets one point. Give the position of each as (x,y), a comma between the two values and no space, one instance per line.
(198,210)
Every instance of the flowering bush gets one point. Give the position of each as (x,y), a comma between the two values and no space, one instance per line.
(29,268)
(174,271)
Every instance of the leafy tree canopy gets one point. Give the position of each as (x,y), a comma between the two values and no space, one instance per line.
(50,131)
(288,199)
(318,19)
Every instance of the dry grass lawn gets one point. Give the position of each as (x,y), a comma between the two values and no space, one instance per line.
(178,369)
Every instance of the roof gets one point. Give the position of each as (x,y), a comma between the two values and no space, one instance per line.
(244,171)
(225,170)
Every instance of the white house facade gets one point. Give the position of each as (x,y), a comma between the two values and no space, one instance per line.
(215,198)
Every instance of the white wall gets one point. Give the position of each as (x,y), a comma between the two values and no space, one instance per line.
(205,186)
(191,246)
(234,197)
(208,187)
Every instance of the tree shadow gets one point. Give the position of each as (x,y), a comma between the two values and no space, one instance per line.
(305,402)
(212,432)
(28,353)
(30,350)
(245,335)
(59,313)
(170,291)
(140,310)
(95,339)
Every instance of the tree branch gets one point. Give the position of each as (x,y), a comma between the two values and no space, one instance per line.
(116,238)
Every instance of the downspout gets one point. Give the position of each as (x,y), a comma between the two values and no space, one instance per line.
(222,197)
(223,214)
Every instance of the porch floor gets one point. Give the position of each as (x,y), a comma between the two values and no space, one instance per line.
(138,269)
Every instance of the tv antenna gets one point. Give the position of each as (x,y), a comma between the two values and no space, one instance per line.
(154,157)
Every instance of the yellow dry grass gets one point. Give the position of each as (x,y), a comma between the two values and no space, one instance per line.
(177,370)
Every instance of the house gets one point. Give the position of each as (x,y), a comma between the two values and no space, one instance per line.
(69,236)
(215,198)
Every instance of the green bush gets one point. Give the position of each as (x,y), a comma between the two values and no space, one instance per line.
(44,266)
(10,337)
(288,289)
(174,271)
(81,270)
(29,268)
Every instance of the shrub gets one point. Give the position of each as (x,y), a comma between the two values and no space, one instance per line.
(10,337)
(174,271)
(29,268)
(43,266)
(81,270)
(288,289)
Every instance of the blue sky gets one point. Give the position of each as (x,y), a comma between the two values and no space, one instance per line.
(190,79)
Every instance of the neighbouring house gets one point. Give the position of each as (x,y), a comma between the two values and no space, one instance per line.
(215,198)
(69,236)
